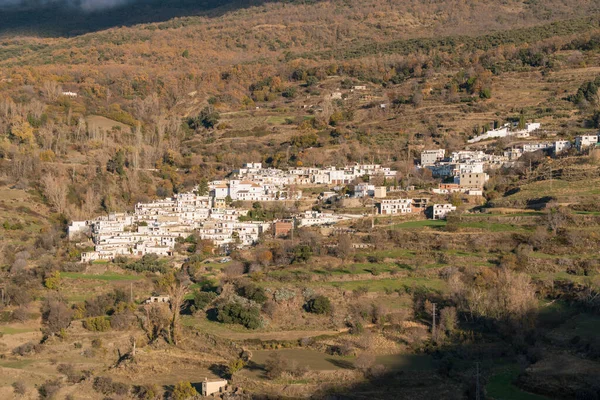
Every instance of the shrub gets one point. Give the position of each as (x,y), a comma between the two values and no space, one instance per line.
(235,313)
(202,299)
(148,263)
(97,324)
(146,392)
(289,92)
(89,353)
(49,389)
(56,316)
(97,343)
(27,349)
(120,388)
(106,386)
(19,388)
(319,305)
(122,321)
(103,384)
(235,366)
(20,315)
(344,349)
(275,366)
(72,375)
(184,390)
(364,362)
(52,282)
(253,292)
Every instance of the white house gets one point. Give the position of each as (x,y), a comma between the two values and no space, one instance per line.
(430,157)
(364,190)
(584,141)
(157,299)
(440,211)
(394,206)
(441,170)
(561,145)
(532,147)
(513,154)
(469,168)
(212,387)
(77,228)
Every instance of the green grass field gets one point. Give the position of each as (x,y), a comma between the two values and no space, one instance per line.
(507,215)
(8,330)
(359,268)
(388,284)
(501,387)
(108,276)
(278,120)
(420,224)
(493,227)
(563,191)
(392,253)
(16,364)
(318,361)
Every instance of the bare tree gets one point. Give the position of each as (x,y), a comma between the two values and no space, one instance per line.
(55,190)
(155,322)
(364,362)
(344,248)
(177,292)
(90,203)
(56,315)
(556,218)
(52,90)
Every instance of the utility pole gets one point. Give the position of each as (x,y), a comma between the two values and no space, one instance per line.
(373,214)
(477,386)
(433,321)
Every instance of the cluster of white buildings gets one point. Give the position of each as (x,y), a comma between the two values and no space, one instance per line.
(154,228)
(317,218)
(254,183)
(252,190)
(556,147)
(304,176)
(459,162)
(507,130)
(465,167)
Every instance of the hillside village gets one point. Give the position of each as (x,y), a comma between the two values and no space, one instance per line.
(156,227)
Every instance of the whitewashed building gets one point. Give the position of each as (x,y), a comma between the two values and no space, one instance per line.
(394,206)
(532,147)
(441,211)
(585,141)
(430,157)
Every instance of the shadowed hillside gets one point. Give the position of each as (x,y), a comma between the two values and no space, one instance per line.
(55,19)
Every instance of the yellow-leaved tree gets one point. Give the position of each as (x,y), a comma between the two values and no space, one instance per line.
(21,130)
